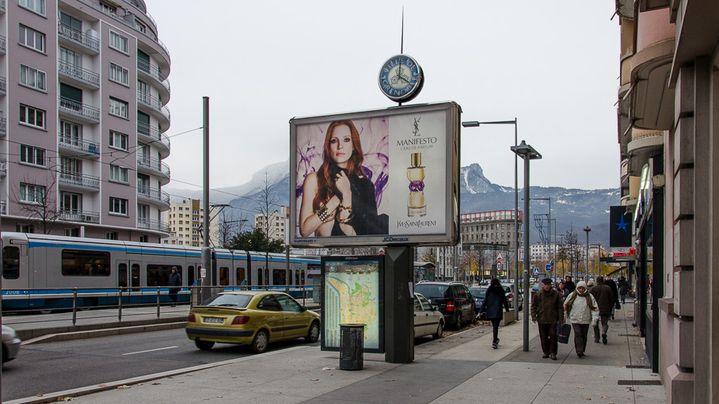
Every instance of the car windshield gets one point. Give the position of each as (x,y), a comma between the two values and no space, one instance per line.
(231,300)
(478,292)
(431,291)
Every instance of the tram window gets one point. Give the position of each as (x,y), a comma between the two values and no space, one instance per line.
(85,263)
(135,275)
(259,277)
(159,275)
(224,276)
(10,262)
(240,276)
(122,275)
(279,277)
(191,275)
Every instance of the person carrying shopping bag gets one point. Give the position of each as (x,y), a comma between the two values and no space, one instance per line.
(582,311)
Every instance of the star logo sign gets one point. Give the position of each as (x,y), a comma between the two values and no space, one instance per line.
(622,225)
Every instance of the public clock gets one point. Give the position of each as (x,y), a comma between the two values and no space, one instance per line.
(401,78)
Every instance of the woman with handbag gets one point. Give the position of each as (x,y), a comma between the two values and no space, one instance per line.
(582,311)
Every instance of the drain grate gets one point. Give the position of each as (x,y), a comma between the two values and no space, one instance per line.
(638,367)
(639,382)
(629,335)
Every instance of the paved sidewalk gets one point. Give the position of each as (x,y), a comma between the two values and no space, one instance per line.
(459,368)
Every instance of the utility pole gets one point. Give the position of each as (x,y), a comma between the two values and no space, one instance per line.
(206,252)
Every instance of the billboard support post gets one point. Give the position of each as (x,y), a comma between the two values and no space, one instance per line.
(398,306)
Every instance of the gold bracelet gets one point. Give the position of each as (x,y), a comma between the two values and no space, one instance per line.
(345,220)
(347,208)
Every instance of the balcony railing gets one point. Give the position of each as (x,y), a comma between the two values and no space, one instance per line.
(148,130)
(80,180)
(155,165)
(3,124)
(3,168)
(84,146)
(84,216)
(3,44)
(79,73)
(154,194)
(143,223)
(3,85)
(78,37)
(152,71)
(149,100)
(3,207)
(2,6)
(79,109)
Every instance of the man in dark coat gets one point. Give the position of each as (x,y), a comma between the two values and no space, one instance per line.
(174,282)
(547,310)
(494,300)
(568,284)
(605,300)
(613,286)
(623,288)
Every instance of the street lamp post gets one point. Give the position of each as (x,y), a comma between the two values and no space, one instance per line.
(587,229)
(527,153)
(474,124)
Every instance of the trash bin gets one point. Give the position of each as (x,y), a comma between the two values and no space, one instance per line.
(351,346)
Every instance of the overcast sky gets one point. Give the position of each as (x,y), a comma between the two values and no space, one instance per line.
(552,64)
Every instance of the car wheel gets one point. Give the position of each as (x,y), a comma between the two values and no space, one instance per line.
(259,344)
(204,345)
(440,331)
(313,334)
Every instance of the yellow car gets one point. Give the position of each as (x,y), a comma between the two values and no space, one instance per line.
(253,318)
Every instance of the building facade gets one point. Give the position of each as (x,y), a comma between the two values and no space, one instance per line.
(185,220)
(83,94)
(487,242)
(275,224)
(668,133)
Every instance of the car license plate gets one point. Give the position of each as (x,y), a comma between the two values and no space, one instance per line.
(213,320)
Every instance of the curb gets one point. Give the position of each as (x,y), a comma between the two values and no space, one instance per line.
(67,336)
(29,334)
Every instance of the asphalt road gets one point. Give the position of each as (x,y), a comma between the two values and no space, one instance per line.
(46,368)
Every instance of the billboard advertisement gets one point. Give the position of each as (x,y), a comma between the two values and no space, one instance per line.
(620,227)
(352,293)
(376,178)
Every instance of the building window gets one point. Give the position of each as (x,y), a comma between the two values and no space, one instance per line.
(140,26)
(118,108)
(119,174)
(144,239)
(24,228)
(36,6)
(33,78)
(31,193)
(118,140)
(118,206)
(32,155)
(32,117)
(108,8)
(111,235)
(73,232)
(32,39)
(119,74)
(119,43)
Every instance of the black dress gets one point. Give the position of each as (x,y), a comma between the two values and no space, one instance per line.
(364,218)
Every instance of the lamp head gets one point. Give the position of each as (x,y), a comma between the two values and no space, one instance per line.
(526,151)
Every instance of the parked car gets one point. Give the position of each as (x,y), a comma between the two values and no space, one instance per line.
(478,294)
(254,318)
(10,344)
(453,299)
(510,293)
(427,319)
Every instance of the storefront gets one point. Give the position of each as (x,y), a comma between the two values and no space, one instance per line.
(649,239)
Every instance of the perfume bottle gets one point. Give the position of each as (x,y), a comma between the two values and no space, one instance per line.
(415,174)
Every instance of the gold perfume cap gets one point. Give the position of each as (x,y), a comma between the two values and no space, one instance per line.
(416,159)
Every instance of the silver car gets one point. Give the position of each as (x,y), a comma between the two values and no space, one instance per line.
(10,344)
(427,319)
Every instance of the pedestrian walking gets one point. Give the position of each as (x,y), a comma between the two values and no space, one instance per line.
(623,289)
(605,301)
(582,311)
(562,289)
(568,284)
(548,312)
(494,300)
(174,282)
(615,291)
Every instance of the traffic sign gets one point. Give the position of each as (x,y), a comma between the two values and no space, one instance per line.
(535,271)
(549,268)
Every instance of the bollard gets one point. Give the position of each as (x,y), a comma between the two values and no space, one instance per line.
(351,346)
(192,296)
(158,302)
(119,306)
(74,306)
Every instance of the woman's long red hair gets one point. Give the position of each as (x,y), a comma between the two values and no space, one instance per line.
(326,188)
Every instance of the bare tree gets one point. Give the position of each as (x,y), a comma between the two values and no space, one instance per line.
(267,206)
(39,201)
(569,249)
(228,227)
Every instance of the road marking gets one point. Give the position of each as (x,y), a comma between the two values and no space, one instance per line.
(150,350)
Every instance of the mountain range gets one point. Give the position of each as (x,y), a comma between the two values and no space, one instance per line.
(572,208)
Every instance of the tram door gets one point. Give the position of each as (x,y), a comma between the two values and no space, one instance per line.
(135,275)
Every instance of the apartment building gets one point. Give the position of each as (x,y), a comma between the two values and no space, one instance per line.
(83,89)
(275,224)
(668,132)
(185,220)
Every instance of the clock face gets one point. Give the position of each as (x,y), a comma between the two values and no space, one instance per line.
(400,78)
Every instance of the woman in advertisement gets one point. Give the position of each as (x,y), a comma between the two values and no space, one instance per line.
(338,199)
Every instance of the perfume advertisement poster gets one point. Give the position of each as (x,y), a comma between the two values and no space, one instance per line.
(374,178)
